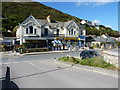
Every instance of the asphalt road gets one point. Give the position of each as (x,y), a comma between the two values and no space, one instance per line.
(42,71)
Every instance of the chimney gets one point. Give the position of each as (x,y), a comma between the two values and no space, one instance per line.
(48,19)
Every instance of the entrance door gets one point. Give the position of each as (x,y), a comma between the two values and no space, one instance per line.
(57,32)
(46,31)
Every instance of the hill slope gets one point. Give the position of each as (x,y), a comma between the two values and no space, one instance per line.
(16,12)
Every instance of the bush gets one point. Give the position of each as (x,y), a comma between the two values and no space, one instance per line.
(95,62)
(70,59)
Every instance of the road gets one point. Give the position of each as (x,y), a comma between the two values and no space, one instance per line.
(43,71)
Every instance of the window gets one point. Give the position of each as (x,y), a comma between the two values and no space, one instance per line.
(26,30)
(69,32)
(72,32)
(57,32)
(34,31)
(81,33)
(31,29)
(46,31)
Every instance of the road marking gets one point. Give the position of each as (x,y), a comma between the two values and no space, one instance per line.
(29,62)
(16,62)
(11,63)
(6,63)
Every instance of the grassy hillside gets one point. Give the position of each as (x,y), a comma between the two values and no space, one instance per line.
(14,13)
(18,12)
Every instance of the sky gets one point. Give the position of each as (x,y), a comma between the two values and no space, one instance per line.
(103,13)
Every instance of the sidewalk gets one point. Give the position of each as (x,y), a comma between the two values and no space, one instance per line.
(10,53)
(90,68)
(49,52)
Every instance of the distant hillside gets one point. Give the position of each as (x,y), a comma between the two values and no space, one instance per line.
(16,12)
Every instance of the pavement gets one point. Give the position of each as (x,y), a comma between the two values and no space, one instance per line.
(43,71)
(10,53)
(94,69)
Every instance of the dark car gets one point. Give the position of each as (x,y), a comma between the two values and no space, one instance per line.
(88,54)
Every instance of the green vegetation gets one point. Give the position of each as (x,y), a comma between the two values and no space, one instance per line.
(16,12)
(70,59)
(95,62)
(102,30)
(117,42)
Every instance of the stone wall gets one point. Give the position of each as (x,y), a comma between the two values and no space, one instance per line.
(111,56)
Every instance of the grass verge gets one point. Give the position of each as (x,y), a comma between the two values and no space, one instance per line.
(95,62)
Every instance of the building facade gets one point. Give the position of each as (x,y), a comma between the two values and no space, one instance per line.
(41,33)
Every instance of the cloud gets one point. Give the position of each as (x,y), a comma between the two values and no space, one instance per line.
(82,1)
(96,21)
(108,26)
(93,2)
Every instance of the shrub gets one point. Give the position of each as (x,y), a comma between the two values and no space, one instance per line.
(70,59)
(95,62)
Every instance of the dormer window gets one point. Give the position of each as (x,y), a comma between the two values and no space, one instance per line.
(31,29)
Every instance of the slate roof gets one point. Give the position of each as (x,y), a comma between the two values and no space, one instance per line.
(101,39)
(67,23)
(53,23)
(43,22)
(80,26)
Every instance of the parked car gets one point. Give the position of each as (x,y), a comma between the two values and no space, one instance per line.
(88,54)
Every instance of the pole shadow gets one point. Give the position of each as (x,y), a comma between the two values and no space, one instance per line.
(7,84)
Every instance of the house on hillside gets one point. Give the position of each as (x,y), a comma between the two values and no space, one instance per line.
(41,32)
(90,23)
(104,41)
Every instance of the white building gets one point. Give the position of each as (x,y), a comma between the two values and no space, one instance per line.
(44,31)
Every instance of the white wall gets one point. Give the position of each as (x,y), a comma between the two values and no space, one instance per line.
(21,31)
(74,29)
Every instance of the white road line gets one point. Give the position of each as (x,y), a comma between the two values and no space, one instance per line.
(12,63)
(7,63)
(16,62)
(29,62)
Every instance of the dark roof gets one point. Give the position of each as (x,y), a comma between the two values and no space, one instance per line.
(89,39)
(80,26)
(53,23)
(101,39)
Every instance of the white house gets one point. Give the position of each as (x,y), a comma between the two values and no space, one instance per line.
(42,32)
